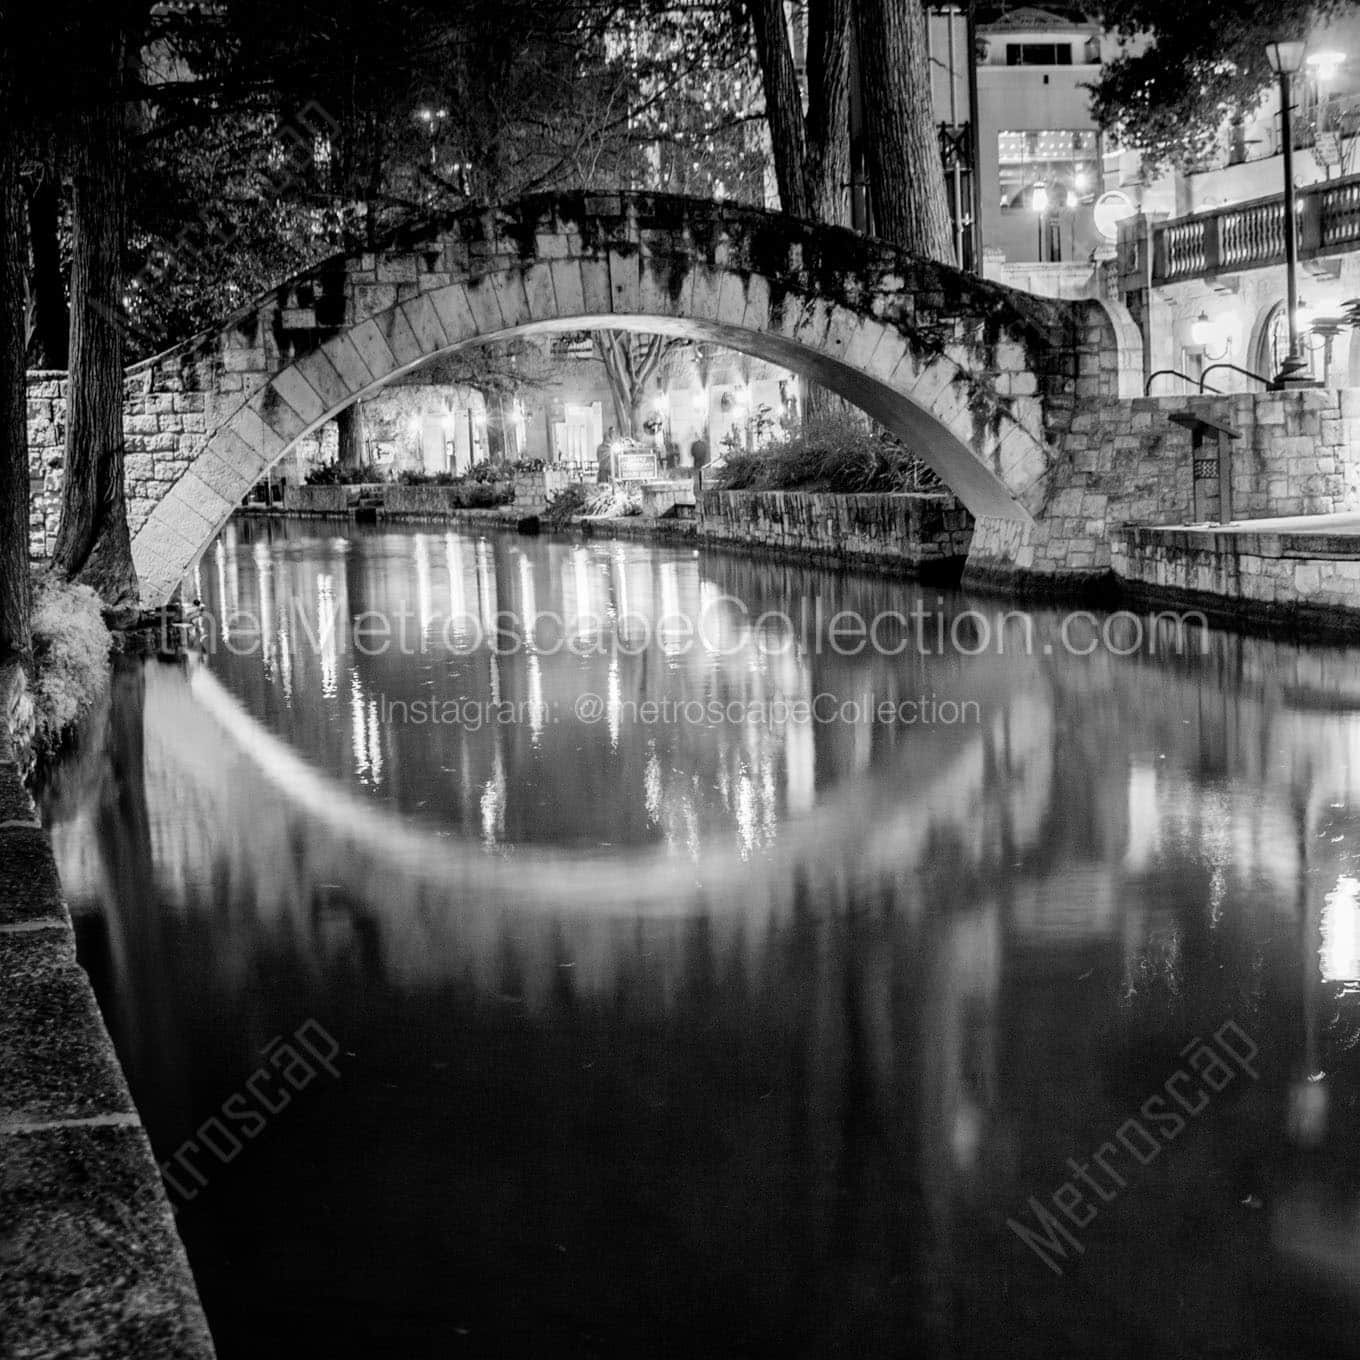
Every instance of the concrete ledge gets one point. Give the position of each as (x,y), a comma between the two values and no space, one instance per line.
(92,1264)
(1281,580)
(638,526)
(1298,622)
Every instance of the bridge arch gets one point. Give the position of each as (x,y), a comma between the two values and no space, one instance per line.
(979,380)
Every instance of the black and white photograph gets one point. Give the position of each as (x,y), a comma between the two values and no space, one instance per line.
(679,680)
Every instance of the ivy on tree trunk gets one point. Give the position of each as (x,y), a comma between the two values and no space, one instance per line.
(93,545)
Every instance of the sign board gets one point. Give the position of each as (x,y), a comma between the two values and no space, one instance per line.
(635,467)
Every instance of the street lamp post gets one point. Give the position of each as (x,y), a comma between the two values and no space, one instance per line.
(1286,60)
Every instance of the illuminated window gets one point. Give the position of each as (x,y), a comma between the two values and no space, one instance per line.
(1039,54)
(1047,170)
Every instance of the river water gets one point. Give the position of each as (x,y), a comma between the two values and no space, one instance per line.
(526,947)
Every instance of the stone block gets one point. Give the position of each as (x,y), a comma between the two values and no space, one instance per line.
(348,363)
(397,268)
(551,246)
(705,287)
(252,432)
(540,298)
(625,269)
(95,1266)
(485,308)
(595,295)
(290,386)
(30,892)
(372,347)
(56,1060)
(423,320)
(567,287)
(401,339)
(455,313)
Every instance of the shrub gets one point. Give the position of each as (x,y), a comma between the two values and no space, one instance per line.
(332,474)
(409,478)
(835,454)
(482,495)
(486,472)
(614,502)
(565,506)
(70,656)
(474,489)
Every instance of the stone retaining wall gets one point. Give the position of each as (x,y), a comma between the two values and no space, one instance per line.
(1129,462)
(909,531)
(92,1262)
(1310,582)
(317,500)
(533,490)
(46,457)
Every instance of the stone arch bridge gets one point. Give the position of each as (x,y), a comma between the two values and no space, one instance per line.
(982,381)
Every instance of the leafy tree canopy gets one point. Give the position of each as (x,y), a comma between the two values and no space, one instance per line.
(1195,63)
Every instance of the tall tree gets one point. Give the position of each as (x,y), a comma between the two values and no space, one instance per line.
(15,642)
(906,175)
(810,143)
(93,544)
(1196,63)
(630,363)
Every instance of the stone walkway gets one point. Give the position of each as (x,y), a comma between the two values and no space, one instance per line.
(1343,525)
(90,1262)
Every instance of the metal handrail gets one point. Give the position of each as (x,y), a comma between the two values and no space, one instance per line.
(1176,373)
(1236,368)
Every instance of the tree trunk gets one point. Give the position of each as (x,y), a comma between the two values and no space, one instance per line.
(49,318)
(349,426)
(93,545)
(612,351)
(15,644)
(906,176)
(783,104)
(828,115)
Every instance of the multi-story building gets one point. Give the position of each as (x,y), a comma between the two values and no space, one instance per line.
(1193,258)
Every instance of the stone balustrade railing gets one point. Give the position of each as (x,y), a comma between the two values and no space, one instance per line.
(1248,235)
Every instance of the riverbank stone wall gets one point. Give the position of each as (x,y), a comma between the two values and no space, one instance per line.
(1133,463)
(910,531)
(92,1264)
(1308,583)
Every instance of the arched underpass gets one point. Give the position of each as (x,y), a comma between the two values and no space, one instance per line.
(979,380)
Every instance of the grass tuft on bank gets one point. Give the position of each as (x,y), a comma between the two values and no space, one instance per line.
(70,657)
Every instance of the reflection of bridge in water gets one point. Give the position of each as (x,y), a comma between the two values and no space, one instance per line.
(1220,769)
(939,971)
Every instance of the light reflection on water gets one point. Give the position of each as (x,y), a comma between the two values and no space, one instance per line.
(743,1040)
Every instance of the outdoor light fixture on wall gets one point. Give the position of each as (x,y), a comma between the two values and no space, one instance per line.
(1209,337)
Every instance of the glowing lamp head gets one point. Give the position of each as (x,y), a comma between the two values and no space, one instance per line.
(1286,58)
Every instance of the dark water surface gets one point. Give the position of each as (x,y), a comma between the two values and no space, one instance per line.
(676,1031)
